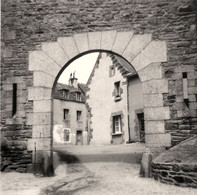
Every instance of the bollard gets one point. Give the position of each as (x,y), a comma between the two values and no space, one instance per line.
(145,168)
(47,166)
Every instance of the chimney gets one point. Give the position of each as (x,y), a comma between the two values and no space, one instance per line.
(73,81)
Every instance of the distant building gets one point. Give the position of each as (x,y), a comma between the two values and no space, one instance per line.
(70,113)
(115,101)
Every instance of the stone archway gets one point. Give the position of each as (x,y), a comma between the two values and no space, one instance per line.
(141,51)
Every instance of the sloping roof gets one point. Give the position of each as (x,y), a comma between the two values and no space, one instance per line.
(83,87)
(124,67)
(71,92)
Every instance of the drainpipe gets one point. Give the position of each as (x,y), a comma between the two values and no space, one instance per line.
(128,110)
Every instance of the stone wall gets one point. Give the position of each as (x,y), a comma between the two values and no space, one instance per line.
(176,174)
(28,23)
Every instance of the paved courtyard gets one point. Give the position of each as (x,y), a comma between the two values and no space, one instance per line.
(84,170)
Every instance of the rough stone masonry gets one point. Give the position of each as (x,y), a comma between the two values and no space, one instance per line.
(26,24)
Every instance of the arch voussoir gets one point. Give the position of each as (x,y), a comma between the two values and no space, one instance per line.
(94,40)
(136,45)
(40,61)
(55,52)
(107,39)
(69,46)
(121,41)
(81,41)
(155,51)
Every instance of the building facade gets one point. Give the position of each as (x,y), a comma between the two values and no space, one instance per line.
(115,101)
(70,114)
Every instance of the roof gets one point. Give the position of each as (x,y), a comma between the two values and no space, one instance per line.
(69,93)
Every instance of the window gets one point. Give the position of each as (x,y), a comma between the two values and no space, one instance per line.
(66,113)
(78,96)
(117,126)
(117,91)
(14,99)
(79,115)
(65,93)
(66,135)
(111,70)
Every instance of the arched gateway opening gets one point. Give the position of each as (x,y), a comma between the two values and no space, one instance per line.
(140,51)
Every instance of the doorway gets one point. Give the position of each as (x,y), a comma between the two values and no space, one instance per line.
(79,137)
(141,125)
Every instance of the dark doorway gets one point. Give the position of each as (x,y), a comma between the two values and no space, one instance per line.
(141,126)
(79,138)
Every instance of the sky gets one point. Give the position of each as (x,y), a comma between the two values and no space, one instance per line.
(82,66)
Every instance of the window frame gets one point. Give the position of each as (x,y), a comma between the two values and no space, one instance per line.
(117,123)
(66,135)
(117,91)
(78,117)
(78,96)
(66,114)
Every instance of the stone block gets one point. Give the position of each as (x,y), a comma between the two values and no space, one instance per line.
(136,45)
(153,100)
(152,71)
(193,105)
(29,119)
(39,61)
(55,52)
(14,121)
(191,82)
(42,79)
(42,118)
(8,87)
(186,68)
(21,99)
(6,53)
(107,39)
(21,113)
(81,41)
(42,105)
(9,107)
(155,86)
(39,144)
(39,93)
(8,100)
(9,35)
(192,90)
(94,40)
(121,41)
(192,75)
(20,106)
(192,98)
(22,86)
(41,131)
(153,127)
(8,114)
(154,52)
(157,113)
(69,46)
(11,80)
(158,140)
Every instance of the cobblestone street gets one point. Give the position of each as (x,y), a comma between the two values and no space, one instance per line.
(111,169)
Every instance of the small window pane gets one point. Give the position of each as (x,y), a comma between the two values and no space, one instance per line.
(66,113)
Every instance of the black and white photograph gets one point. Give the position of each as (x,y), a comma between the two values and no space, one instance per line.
(98,97)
